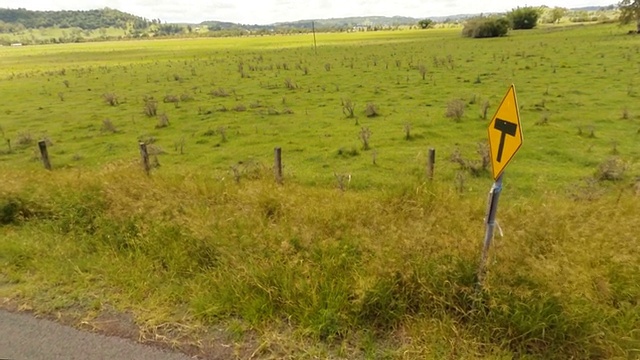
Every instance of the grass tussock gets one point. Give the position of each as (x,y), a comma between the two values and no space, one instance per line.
(363,273)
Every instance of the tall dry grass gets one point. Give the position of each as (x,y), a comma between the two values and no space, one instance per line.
(377,273)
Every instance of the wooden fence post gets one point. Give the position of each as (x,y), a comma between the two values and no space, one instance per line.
(278,164)
(145,158)
(44,154)
(431,163)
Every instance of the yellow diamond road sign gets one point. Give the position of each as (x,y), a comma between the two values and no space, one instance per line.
(505,133)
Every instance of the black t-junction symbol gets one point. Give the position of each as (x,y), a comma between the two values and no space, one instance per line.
(506,128)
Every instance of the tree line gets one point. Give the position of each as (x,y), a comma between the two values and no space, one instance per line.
(13,20)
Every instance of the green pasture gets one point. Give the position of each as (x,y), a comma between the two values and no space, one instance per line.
(579,79)
(208,255)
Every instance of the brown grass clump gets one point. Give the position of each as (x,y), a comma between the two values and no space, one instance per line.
(371,110)
(455,109)
(150,107)
(111,99)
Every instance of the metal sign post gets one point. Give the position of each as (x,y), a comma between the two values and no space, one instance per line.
(492,210)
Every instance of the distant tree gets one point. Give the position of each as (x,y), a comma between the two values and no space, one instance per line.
(630,12)
(426,23)
(580,16)
(168,30)
(556,14)
(11,27)
(484,27)
(524,18)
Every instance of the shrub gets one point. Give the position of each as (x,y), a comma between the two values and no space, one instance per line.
(12,210)
(24,138)
(625,114)
(455,109)
(150,107)
(474,167)
(423,71)
(555,14)
(426,23)
(163,121)
(348,108)
(407,131)
(171,99)
(273,111)
(240,108)
(179,145)
(186,97)
(219,92)
(587,190)
(611,170)
(371,110)
(108,126)
(524,18)
(290,84)
(343,180)
(351,152)
(111,99)
(484,27)
(8,211)
(365,135)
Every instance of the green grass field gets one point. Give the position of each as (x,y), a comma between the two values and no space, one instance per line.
(210,256)
(575,88)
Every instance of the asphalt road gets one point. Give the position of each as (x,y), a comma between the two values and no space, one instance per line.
(23,337)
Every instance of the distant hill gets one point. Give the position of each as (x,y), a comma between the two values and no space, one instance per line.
(15,20)
(349,22)
(223,25)
(87,20)
(352,21)
(334,23)
(594,8)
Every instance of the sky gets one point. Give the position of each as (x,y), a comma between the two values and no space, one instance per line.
(271,11)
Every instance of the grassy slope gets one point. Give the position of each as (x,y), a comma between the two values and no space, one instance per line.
(304,270)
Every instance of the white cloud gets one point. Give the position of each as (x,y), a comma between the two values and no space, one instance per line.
(269,11)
